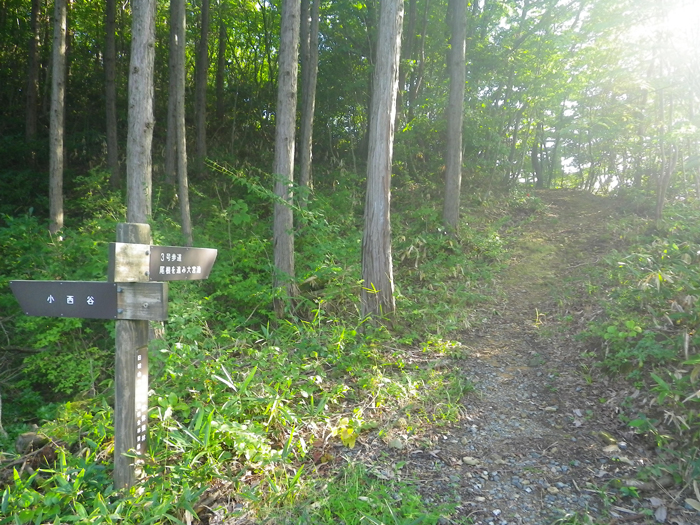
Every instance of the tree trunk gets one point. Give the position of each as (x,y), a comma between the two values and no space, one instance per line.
(457,16)
(377,273)
(170,167)
(3,434)
(111,94)
(33,74)
(283,170)
(179,22)
(417,79)
(536,156)
(668,166)
(140,132)
(200,101)
(309,70)
(58,79)
(220,72)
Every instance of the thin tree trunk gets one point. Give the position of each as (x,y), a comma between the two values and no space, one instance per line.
(417,80)
(111,94)
(141,122)
(3,434)
(220,72)
(283,169)
(377,295)
(668,166)
(58,79)
(33,74)
(179,22)
(170,167)
(201,78)
(457,16)
(536,157)
(309,76)
(407,47)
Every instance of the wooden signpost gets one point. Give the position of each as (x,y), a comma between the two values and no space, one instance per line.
(133,295)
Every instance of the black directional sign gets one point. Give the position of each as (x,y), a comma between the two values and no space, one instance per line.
(177,263)
(86,299)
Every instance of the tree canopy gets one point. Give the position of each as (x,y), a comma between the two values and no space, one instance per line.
(577,90)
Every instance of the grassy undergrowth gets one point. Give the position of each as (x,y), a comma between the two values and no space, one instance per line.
(647,332)
(249,415)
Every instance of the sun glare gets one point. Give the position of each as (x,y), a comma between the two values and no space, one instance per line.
(682,26)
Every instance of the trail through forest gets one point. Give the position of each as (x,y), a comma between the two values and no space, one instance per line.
(540,437)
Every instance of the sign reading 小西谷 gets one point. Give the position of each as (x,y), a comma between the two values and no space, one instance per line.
(93,299)
(85,299)
(142,262)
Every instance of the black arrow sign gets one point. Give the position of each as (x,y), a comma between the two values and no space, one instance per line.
(85,299)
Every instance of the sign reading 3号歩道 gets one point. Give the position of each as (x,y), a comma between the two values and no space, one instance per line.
(143,262)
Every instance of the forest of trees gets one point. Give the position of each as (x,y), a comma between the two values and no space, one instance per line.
(228,120)
(598,92)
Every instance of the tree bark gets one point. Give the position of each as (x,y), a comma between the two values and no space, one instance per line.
(309,70)
(377,273)
(409,37)
(141,122)
(536,156)
(33,74)
(58,79)
(179,22)
(457,16)
(220,72)
(200,101)
(417,79)
(170,165)
(111,94)
(3,434)
(283,170)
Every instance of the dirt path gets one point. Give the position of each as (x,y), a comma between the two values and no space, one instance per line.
(529,449)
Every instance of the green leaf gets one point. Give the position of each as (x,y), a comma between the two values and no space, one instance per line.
(80,509)
(5,501)
(248,379)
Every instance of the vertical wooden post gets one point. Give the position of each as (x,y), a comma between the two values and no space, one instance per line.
(131,377)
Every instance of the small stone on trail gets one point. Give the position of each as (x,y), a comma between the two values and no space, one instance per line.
(396,443)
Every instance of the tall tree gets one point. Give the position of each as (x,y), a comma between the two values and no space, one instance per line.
(170,160)
(177,91)
(283,170)
(111,93)
(221,69)
(140,130)
(33,73)
(377,273)
(309,71)
(58,80)
(200,95)
(457,16)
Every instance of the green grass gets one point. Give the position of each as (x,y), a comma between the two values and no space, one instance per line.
(262,408)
